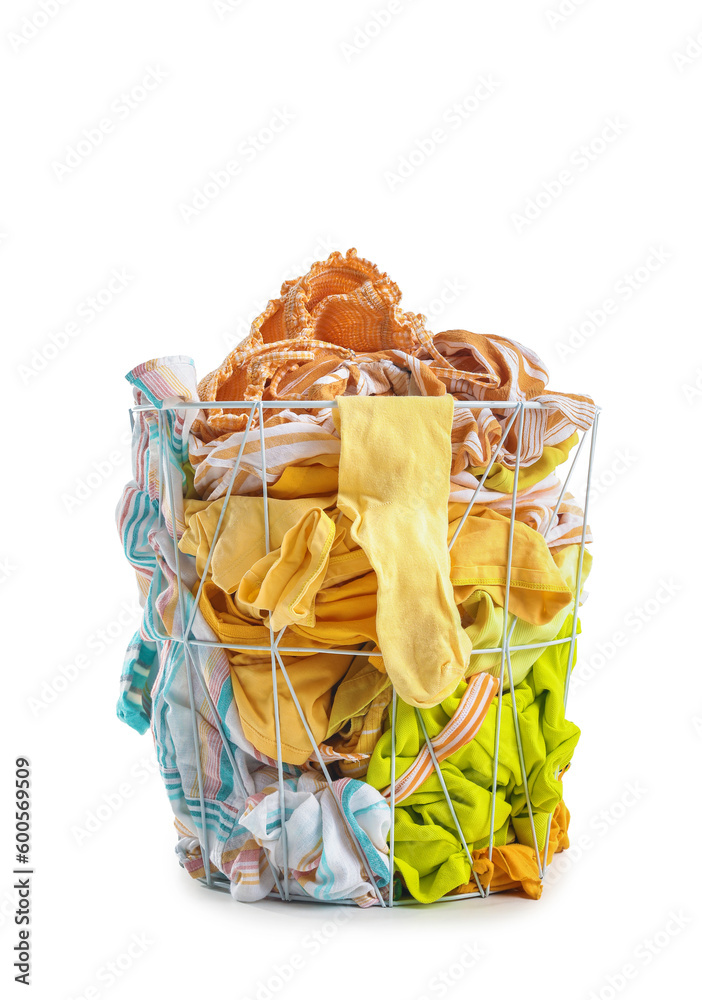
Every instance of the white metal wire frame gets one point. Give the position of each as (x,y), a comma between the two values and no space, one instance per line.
(165,417)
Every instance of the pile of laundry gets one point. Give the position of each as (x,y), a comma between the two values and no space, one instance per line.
(346,562)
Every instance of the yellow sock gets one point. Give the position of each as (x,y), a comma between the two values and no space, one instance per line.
(394,474)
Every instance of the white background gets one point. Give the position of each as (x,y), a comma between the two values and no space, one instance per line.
(361,98)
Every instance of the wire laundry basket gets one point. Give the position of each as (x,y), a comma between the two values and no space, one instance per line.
(166,416)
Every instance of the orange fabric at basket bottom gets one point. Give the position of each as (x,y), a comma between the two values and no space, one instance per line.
(514,865)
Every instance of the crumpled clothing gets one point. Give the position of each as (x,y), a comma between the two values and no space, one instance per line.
(396,499)
(463,726)
(428,851)
(302,461)
(230,791)
(141,508)
(292,439)
(501,479)
(483,620)
(320,606)
(331,329)
(338,335)
(322,858)
(313,551)
(514,866)
(230,763)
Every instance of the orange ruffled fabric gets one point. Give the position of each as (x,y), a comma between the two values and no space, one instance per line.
(346,310)
(342,305)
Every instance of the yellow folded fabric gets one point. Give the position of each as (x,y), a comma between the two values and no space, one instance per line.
(344,616)
(394,474)
(241,540)
(286,581)
(538,590)
(318,582)
(479,561)
(359,687)
(483,620)
(313,677)
(313,477)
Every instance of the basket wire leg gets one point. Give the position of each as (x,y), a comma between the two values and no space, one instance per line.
(482,479)
(362,856)
(204,840)
(578,580)
(274,677)
(442,782)
(503,651)
(158,573)
(520,749)
(215,714)
(220,520)
(393,722)
(554,512)
(281,775)
(581,556)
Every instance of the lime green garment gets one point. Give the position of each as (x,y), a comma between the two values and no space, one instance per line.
(428,851)
(483,620)
(501,479)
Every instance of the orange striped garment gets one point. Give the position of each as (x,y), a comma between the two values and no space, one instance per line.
(339,330)
(463,727)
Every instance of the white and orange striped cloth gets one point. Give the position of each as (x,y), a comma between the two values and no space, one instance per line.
(463,727)
(323,860)
(339,330)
